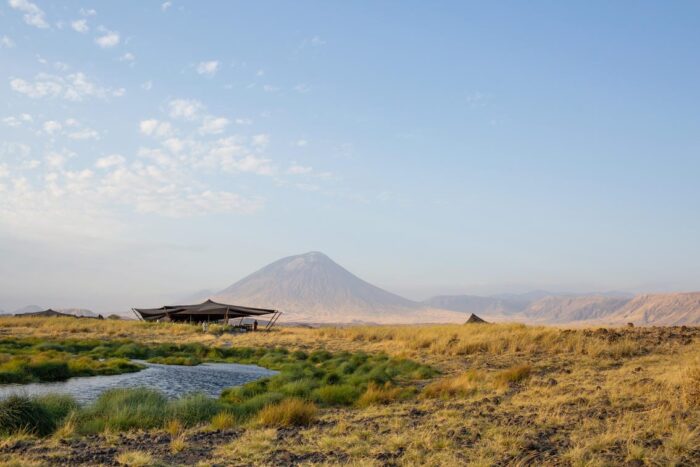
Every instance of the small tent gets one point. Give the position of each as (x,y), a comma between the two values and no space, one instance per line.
(473,319)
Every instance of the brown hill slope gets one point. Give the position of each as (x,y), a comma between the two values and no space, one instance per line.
(659,309)
(568,309)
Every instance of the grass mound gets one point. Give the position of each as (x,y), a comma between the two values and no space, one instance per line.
(289,412)
(35,415)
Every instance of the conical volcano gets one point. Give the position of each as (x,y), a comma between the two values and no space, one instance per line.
(313,288)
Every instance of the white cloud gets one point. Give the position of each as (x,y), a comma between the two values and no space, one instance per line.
(302,88)
(80,25)
(476,99)
(301,143)
(84,134)
(298,170)
(174,144)
(56,159)
(147,85)
(213,125)
(17,121)
(153,127)
(108,39)
(6,43)
(244,121)
(187,109)
(33,15)
(165,5)
(127,57)
(52,126)
(261,140)
(88,12)
(316,41)
(208,68)
(270,88)
(109,161)
(72,87)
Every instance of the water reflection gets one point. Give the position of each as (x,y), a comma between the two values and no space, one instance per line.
(171,380)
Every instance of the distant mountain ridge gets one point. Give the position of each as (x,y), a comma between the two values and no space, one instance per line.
(313,288)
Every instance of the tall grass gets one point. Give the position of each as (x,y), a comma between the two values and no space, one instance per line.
(289,412)
(36,415)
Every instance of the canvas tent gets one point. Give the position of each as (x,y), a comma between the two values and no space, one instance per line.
(207,312)
(50,313)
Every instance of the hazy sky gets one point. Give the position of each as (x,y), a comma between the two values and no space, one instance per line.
(149,149)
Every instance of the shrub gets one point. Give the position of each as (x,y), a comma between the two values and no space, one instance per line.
(193,409)
(241,393)
(247,409)
(49,370)
(187,360)
(289,412)
(343,394)
(331,378)
(37,416)
(299,388)
(124,409)
(58,406)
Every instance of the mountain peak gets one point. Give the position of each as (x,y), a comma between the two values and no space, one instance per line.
(312,287)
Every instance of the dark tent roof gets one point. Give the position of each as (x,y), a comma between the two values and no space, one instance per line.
(47,313)
(208,310)
(475,319)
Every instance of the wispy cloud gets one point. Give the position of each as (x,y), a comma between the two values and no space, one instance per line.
(72,87)
(208,68)
(33,15)
(165,6)
(108,40)
(80,25)
(6,43)
(187,109)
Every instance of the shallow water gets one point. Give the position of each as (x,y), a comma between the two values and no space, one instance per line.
(171,380)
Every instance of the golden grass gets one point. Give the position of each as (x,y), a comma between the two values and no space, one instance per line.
(135,459)
(507,395)
(174,427)
(223,421)
(463,384)
(289,412)
(513,375)
(178,443)
(375,394)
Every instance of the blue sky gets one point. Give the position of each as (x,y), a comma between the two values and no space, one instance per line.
(150,149)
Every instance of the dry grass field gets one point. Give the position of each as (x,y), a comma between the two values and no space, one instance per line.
(506,395)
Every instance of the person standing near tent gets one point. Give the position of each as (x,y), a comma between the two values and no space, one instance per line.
(255,325)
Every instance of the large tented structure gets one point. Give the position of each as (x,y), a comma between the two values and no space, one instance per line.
(204,312)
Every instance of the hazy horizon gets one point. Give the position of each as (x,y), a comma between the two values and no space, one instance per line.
(150,150)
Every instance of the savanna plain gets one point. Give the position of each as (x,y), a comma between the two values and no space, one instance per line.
(472,394)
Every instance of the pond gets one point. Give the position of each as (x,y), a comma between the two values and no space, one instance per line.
(171,380)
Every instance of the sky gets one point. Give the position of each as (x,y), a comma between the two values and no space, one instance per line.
(152,149)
